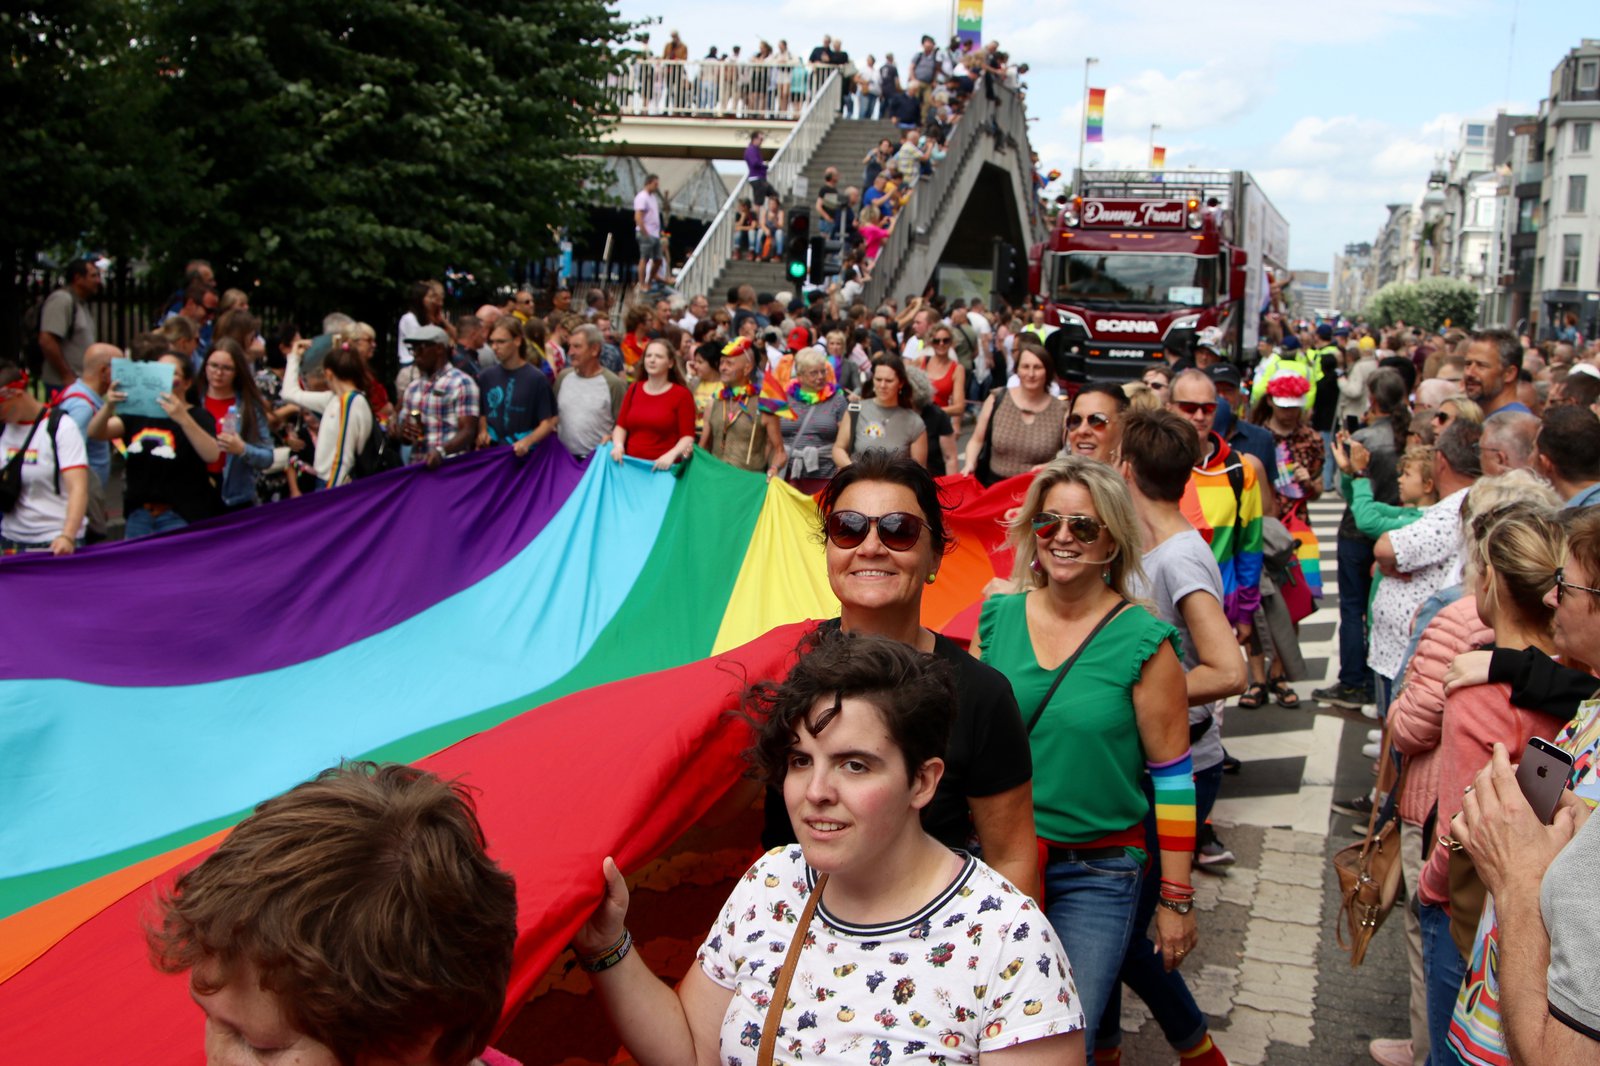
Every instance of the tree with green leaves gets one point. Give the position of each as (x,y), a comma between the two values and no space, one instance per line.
(87,163)
(344,148)
(1430,303)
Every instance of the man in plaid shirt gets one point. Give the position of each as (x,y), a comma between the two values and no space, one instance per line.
(440,415)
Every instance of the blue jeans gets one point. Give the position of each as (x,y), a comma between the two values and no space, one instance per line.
(141,523)
(1091,906)
(1443,969)
(1166,994)
(1355,584)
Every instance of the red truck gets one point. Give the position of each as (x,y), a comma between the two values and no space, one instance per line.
(1137,257)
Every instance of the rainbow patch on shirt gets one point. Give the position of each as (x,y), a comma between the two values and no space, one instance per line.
(153,440)
(29,458)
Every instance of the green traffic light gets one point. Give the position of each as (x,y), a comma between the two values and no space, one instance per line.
(797,270)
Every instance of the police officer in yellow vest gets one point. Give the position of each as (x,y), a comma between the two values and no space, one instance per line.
(1289,358)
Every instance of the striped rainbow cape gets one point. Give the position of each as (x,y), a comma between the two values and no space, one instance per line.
(566,639)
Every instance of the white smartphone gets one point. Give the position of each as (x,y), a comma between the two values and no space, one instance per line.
(1542,775)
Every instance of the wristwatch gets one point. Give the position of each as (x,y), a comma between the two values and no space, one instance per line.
(1179,906)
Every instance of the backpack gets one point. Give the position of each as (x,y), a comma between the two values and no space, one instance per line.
(11,473)
(378,454)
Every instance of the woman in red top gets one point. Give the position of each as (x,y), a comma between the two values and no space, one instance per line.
(657,417)
(946,374)
(228,384)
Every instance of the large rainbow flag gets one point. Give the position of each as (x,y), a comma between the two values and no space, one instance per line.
(566,639)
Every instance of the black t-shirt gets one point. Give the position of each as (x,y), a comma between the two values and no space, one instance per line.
(1326,404)
(830,199)
(988,753)
(515,401)
(939,425)
(163,467)
(819,54)
(888,78)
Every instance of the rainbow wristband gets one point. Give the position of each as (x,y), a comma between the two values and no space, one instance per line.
(1174,788)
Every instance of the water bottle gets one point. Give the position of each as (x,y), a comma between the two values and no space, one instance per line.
(230,421)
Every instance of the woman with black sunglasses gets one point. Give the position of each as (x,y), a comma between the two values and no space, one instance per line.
(885,537)
(1019,427)
(1103,697)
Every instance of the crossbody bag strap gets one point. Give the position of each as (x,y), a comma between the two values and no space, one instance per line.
(1038,712)
(780,991)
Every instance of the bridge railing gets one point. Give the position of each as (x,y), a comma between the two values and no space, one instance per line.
(710,88)
(989,131)
(716,246)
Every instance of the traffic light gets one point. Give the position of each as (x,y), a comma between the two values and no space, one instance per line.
(1010,271)
(797,243)
(827,258)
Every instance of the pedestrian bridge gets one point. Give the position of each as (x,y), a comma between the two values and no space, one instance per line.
(981,191)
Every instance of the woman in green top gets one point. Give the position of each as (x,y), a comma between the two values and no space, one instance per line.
(1102,692)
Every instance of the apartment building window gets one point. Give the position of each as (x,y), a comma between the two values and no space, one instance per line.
(1475,135)
(1588,74)
(1577,193)
(1526,222)
(1580,136)
(1571,252)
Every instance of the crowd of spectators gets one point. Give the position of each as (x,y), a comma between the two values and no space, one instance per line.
(768,82)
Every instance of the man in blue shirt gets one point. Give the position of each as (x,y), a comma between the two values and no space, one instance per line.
(1568,454)
(1494,365)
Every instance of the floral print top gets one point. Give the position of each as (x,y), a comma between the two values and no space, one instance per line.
(976,969)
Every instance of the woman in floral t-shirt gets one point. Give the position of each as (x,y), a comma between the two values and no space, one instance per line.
(914,951)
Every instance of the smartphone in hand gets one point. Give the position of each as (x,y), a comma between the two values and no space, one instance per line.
(1352,424)
(1542,775)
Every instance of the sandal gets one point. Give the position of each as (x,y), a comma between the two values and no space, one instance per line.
(1254,696)
(1286,696)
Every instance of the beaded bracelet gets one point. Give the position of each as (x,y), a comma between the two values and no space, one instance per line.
(608,958)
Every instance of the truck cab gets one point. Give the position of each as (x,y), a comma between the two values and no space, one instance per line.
(1136,259)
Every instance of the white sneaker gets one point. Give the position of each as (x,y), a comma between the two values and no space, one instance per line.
(1391,1052)
(1374,734)
(1371,749)
(1369,710)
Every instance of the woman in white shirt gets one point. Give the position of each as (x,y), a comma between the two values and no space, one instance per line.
(346,416)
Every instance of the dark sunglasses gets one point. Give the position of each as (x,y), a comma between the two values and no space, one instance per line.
(1189,407)
(940,340)
(1562,586)
(897,530)
(1096,421)
(1085,528)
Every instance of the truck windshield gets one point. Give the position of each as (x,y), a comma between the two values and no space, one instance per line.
(1136,280)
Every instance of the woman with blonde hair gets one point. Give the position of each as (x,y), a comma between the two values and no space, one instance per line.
(1514,551)
(1102,694)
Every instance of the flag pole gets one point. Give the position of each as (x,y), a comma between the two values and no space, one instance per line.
(1083,123)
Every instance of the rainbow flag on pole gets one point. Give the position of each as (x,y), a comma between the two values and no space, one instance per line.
(1095,128)
(1158,158)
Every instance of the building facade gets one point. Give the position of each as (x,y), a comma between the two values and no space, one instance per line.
(1567,258)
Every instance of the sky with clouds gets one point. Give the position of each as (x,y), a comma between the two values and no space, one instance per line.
(1337,108)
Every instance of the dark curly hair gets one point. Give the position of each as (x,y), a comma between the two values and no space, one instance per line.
(914,691)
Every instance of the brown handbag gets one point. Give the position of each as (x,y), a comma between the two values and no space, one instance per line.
(1369,873)
(780,991)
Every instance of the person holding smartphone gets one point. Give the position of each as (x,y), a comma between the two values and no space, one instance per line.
(1512,554)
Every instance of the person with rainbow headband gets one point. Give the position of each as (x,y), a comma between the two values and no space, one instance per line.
(741,425)
(1102,693)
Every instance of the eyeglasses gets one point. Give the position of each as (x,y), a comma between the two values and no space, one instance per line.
(1084,528)
(1562,586)
(1096,421)
(1440,416)
(897,530)
(1188,407)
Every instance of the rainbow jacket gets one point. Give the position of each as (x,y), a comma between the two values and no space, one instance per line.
(1223,502)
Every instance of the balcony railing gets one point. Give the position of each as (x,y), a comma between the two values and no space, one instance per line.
(709,88)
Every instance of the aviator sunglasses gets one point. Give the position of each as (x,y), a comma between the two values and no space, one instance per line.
(1096,421)
(1084,528)
(897,530)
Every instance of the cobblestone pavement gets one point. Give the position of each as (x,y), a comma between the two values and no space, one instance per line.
(1269,972)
